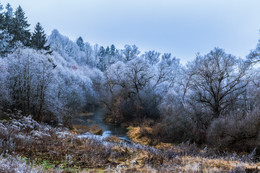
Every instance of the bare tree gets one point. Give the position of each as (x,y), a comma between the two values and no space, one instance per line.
(254,56)
(218,80)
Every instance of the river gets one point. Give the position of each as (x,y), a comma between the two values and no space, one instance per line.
(108,129)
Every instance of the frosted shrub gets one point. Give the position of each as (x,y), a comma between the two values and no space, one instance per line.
(238,132)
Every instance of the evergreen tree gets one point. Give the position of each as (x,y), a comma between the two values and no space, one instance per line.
(19,28)
(5,38)
(8,17)
(39,40)
(9,10)
(102,59)
(102,52)
(1,17)
(112,50)
(80,43)
(107,51)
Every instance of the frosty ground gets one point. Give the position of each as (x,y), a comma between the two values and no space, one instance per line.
(28,146)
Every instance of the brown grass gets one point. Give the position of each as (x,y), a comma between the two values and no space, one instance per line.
(86,114)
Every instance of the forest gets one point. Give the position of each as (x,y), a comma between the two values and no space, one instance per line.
(212,101)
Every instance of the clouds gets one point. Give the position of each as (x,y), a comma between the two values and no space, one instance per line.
(181,27)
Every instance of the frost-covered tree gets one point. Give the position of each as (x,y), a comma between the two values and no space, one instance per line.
(168,72)
(103,61)
(29,76)
(152,56)
(38,40)
(80,43)
(89,55)
(5,38)
(112,50)
(254,56)
(1,17)
(102,51)
(107,57)
(4,90)
(166,56)
(20,27)
(64,46)
(130,52)
(130,87)
(138,74)
(136,87)
(5,46)
(71,51)
(95,55)
(107,50)
(114,55)
(8,17)
(218,80)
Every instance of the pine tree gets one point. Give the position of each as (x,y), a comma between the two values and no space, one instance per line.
(80,43)
(1,17)
(107,50)
(112,50)
(19,28)
(5,38)
(102,59)
(102,52)
(38,39)
(8,17)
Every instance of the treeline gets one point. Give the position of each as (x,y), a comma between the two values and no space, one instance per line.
(212,100)
(15,31)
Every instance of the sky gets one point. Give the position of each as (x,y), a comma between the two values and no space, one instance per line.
(180,27)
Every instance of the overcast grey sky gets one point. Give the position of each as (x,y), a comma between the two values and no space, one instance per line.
(181,27)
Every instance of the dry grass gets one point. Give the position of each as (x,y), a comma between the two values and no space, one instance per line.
(86,114)
(142,135)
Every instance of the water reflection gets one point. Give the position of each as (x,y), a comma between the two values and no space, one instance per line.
(108,129)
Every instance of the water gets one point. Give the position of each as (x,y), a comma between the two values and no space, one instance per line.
(108,129)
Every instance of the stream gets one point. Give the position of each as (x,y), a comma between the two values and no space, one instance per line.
(108,129)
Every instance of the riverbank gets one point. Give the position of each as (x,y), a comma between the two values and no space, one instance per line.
(42,148)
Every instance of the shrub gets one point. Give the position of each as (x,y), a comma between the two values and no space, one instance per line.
(236,132)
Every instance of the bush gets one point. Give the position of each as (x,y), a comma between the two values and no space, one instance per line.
(182,123)
(237,132)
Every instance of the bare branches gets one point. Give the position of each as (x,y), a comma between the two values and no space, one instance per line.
(217,76)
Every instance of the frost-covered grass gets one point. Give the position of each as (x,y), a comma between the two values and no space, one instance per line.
(58,149)
(10,164)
